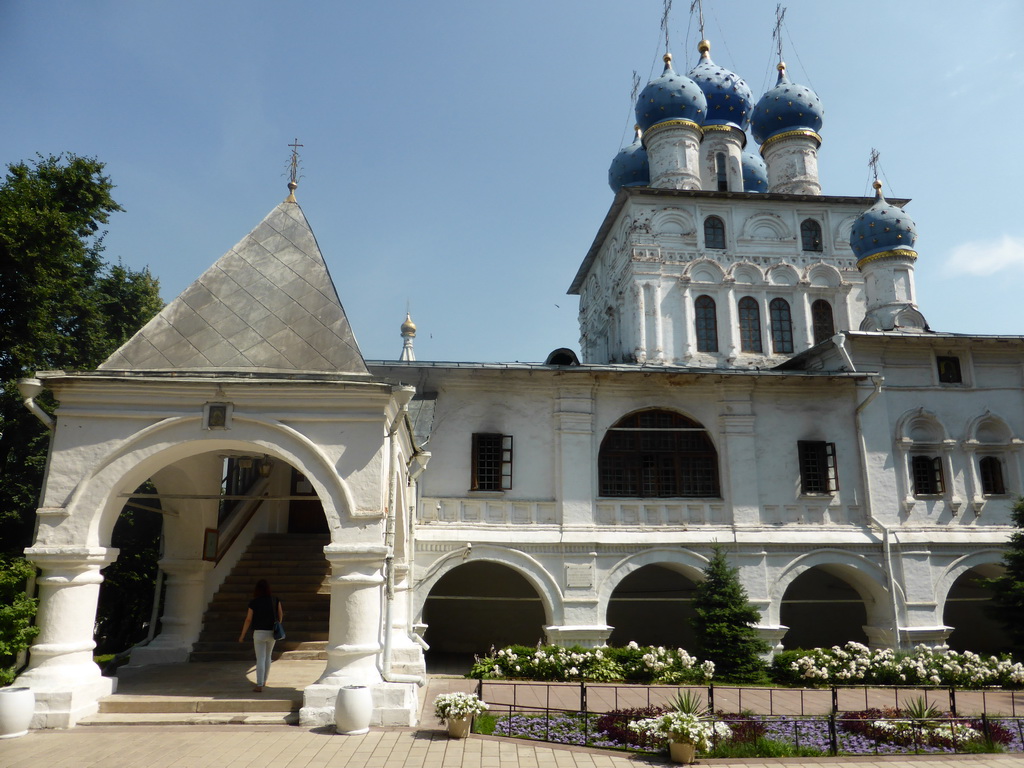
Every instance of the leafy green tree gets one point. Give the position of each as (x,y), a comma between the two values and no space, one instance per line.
(1008,589)
(725,622)
(16,613)
(61,307)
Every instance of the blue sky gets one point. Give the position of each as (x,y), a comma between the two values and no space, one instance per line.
(456,152)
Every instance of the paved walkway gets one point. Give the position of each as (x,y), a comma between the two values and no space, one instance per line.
(239,746)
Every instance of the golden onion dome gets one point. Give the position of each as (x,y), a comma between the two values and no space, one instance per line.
(408,327)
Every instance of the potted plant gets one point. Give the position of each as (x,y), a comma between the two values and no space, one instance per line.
(458,710)
(684,728)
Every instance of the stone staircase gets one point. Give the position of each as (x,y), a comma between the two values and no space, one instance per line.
(297,570)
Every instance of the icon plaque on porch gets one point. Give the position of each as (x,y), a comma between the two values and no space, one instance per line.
(217,416)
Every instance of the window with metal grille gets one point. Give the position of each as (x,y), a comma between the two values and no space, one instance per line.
(949,369)
(714,232)
(991,469)
(750,325)
(782,326)
(492,462)
(810,235)
(706,319)
(821,320)
(658,454)
(927,475)
(818,470)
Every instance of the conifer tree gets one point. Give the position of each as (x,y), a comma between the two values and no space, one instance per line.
(1008,589)
(725,624)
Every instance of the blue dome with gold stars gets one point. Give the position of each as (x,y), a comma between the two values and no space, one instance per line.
(670,97)
(882,227)
(755,173)
(730,100)
(630,168)
(786,107)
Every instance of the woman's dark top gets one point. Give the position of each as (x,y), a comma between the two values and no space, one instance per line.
(264,612)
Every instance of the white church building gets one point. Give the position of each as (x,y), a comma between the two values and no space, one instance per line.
(753,371)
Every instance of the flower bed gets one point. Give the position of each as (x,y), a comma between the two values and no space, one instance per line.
(868,732)
(856,663)
(650,664)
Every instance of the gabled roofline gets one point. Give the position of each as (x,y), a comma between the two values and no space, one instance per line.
(626,193)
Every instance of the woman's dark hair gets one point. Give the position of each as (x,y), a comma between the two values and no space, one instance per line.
(262,589)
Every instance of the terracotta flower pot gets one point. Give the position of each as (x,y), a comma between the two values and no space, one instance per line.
(458,727)
(682,752)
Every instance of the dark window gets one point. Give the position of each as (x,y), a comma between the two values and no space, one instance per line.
(750,325)
(949,370)
(782,326)
(492,462)
(818,471)
(658,454)
(707,324)
(927,475)
(991,476)
(821,320)
(810,235)
(714,232)
(720,172)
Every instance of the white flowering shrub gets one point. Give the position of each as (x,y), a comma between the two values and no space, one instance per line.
(682,727)
(454,706)
(647,664)
(855,663)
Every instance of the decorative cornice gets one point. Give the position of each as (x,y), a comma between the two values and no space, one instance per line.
(805,132)
(895,253)
(666,124)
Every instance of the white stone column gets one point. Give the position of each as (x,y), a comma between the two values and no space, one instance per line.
(354,637)
(688,330)
(659,332)
(738,437)
(731,337)
(673,154)
(61,671)
(573,426)
(640,351)
(182,619)
(803,336)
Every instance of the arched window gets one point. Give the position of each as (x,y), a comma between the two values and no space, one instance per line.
(657,454)
(782,327)
(821,319)
(750,325)
(810,235)
(714,232)
(707,324)
(720,172)
(991,470)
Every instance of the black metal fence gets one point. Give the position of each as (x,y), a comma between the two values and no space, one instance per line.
(818,718)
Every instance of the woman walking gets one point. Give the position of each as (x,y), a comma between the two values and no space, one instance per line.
(264,611)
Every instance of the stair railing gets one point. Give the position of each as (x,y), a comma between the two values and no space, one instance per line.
(240,515)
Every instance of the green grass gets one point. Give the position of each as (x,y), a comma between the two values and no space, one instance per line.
(762,747)
(484,724)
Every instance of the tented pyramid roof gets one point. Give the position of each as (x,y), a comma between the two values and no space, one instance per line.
(268,304)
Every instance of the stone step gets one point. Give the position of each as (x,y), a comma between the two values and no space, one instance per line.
(166,704)
(192,718)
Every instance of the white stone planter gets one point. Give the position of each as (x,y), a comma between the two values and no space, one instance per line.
(353,710)
(458,727)
(16,708)
(680,752)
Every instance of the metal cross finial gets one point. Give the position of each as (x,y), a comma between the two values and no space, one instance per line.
(780,15)
(293,170)
(664,20)
(873,162)
(698,6)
